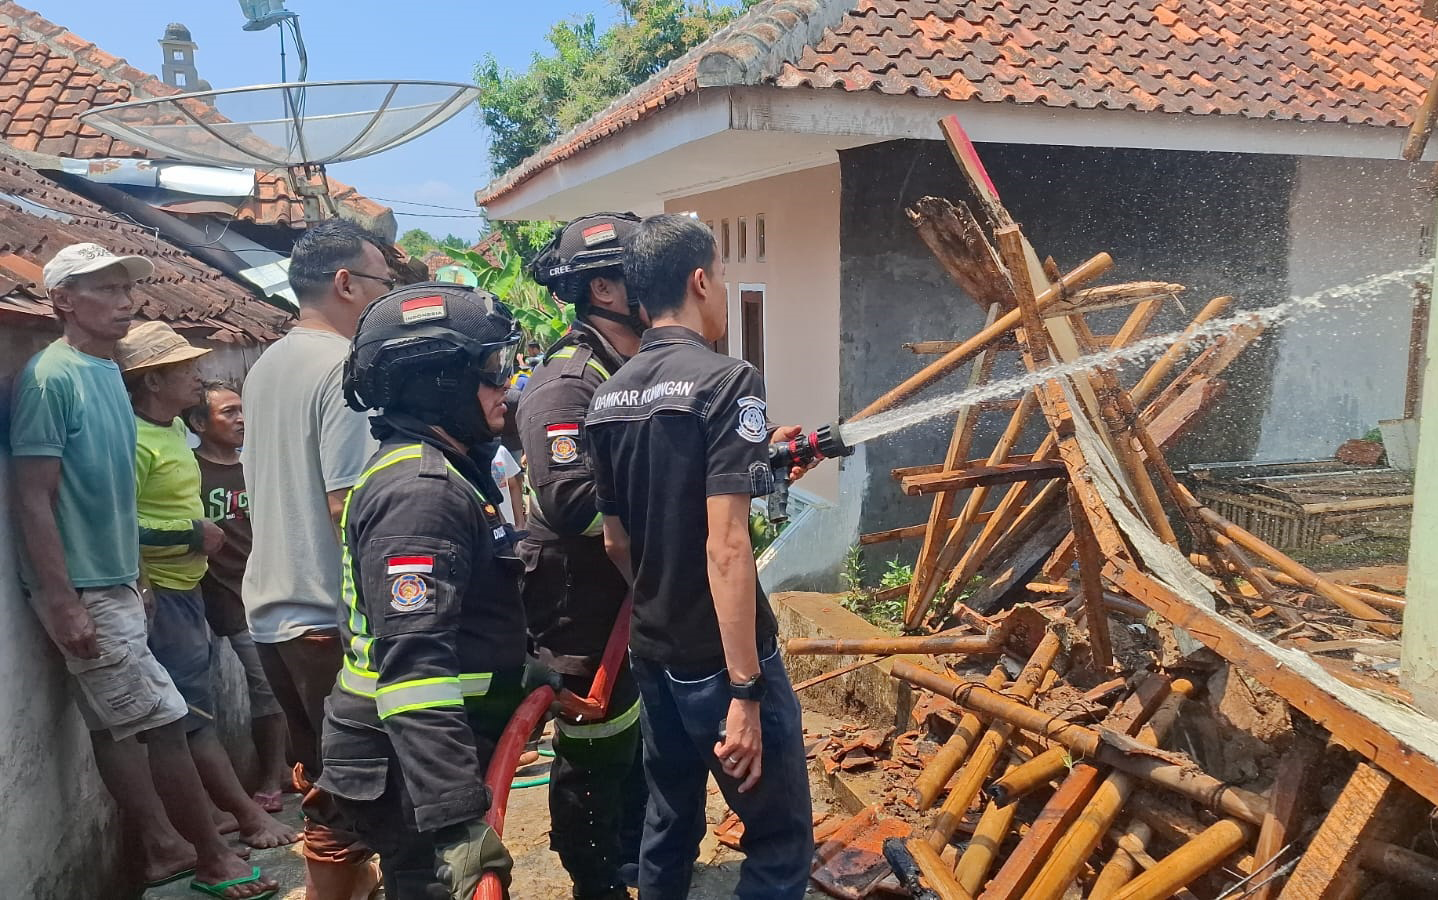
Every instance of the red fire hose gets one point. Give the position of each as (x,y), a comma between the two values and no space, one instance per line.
(500,774)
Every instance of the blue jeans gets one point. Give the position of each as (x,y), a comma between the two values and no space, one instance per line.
(680,722)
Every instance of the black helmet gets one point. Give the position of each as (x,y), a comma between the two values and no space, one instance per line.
(424,349)
(584,248)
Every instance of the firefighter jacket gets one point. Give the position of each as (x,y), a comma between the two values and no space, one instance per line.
(433,628)
(572,591)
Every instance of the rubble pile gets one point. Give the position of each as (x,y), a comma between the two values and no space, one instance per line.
(1119,693)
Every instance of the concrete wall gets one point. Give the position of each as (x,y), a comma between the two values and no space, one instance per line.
(59,834)
(1342,370)
(800,274)
(1420,619)
(1214,222)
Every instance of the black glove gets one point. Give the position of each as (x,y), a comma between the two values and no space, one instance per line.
(463,854)
(538,675)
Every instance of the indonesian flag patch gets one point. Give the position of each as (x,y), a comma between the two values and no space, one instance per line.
(422,309)
(599,234)
(563,442)
(402,565)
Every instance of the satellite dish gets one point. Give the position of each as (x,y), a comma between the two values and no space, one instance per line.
(297,124)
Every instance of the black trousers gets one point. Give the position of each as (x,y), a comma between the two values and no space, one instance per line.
(597,792)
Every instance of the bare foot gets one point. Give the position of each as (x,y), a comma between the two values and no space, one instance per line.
(225,822)
(228,868)
(368,881)
(262,831)
(167,861)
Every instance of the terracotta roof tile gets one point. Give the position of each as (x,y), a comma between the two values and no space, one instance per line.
(1363,62)
(187,293)
(49,75)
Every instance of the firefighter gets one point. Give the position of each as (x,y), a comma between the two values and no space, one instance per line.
(431,616)
(572,591)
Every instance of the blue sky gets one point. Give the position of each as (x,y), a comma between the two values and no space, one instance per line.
(431,40)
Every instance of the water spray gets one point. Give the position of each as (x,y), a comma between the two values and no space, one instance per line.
(851,434)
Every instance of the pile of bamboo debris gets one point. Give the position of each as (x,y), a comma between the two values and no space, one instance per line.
(1178,727)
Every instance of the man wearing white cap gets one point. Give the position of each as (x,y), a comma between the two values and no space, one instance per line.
(73,438)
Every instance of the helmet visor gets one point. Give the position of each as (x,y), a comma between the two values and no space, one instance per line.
(496,367)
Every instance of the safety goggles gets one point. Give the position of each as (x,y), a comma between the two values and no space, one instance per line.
(497,365)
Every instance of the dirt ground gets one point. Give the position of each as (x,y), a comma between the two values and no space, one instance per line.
(538,874)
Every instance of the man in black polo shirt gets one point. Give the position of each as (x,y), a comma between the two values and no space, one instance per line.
(679,445)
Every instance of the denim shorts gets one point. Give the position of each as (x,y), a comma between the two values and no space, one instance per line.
(181,640)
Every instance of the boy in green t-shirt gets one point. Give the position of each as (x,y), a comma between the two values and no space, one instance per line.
(175,541)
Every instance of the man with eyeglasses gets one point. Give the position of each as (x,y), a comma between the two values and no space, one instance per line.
(304,450)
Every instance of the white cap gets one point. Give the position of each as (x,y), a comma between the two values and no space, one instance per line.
(79,259)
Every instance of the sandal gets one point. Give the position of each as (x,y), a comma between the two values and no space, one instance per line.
(269,801)
(218,889)
(168,879)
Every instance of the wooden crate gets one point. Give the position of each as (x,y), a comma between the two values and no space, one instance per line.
(1293,505)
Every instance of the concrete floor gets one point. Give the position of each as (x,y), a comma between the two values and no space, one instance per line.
(538,874)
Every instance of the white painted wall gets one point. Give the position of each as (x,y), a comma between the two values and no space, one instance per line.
(59,835)
(1341,370)
(800,274)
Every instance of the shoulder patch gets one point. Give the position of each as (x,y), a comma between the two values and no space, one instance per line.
(752,425)
(563,442)
(408,592)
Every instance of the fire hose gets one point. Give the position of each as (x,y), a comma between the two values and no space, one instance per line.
(500,774)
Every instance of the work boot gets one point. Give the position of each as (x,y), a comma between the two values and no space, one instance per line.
(618,893)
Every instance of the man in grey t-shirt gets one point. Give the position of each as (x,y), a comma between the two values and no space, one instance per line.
(304,450)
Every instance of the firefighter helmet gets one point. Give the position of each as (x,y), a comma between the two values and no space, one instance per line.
(424,349)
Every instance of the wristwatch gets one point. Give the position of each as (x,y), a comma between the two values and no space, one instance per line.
(751,688)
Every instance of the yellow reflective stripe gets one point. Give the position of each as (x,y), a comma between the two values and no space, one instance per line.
(421,693)
(568,353)
(365,683)
(474,684)
(598,730)
(358,624)
(596,527)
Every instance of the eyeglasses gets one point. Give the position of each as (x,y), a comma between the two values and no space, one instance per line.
(389,283)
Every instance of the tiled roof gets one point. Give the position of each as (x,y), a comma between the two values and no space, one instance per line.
(1364,62)
(185,292)
(48,76)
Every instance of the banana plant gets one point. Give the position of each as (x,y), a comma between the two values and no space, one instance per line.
(543,318)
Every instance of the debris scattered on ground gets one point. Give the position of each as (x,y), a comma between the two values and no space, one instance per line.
(1123,693)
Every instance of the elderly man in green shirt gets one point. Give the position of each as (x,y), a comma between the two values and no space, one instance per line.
(158,367)
(72,437)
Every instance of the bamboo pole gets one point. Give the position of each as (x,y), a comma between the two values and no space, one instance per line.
(950,756)
(964,352)
(1091,585)
(1004,519)
(887,646)
(1160,369)
(960,442)
(936,871)
(1090,743)
(1024,779)
(972,507)
(1067,860)
(1365,614)
(991,745)
(1217,842)
(1122,867)
(984,844)
(1390,602)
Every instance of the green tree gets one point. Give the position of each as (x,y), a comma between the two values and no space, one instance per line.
(587,69)
(417,242)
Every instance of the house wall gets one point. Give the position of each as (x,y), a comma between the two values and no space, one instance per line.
(800,273)
(58,833)
(60,836)
(1216,223)
(1342,370)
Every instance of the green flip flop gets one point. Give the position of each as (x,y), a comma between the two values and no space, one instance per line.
(218,889)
